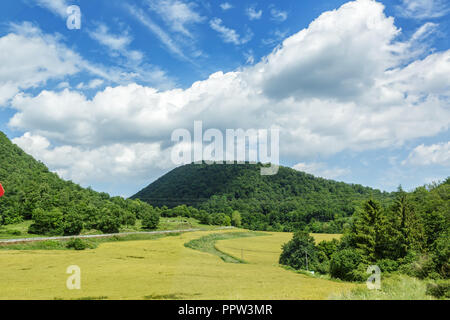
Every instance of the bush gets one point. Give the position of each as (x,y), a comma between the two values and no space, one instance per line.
(108,223)
(236,219)
(129,219)
(439,289)
(220,219)
(73,224)
(47,223)
(14,232)
(423,267)
(344,265)
(328,247)
(441,256)
(77,244)
(387,265)
(150,219)
(299,251)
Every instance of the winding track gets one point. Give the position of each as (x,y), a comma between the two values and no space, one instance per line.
(105,235)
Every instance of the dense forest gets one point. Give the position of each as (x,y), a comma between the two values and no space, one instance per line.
(287,201)
(410,236)
(60,207)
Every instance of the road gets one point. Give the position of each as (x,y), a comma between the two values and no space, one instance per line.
(105,235)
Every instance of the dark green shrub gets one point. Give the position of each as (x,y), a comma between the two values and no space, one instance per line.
(439,289)
(299,252)
(14,232)
(220,219)
(150,219)
(73,224)
(77,244)
(387,265)
(344,265)
(108,223)
(47,222)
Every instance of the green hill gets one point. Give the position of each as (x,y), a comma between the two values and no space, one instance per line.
(285,201)
(62,207)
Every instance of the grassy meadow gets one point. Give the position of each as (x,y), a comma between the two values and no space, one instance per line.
(164,268)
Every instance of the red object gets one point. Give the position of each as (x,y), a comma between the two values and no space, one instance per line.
(2,191)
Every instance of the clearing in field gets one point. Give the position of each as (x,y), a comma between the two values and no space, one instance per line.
(163,268)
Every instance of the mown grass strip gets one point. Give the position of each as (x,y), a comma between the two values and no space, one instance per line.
(208,244)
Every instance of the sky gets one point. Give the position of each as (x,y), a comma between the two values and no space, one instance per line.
(360,90)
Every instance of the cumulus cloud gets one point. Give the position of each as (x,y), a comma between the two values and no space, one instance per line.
(30,58)
(423,155)
(81,164)
(340,84)
(320,169)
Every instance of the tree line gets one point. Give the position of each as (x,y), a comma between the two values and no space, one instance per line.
(59,207)
(410,236)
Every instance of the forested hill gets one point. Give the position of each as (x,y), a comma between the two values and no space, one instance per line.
(56,206)
(285,201)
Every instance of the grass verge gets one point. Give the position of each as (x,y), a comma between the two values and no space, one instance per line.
(393,287)
(91,243)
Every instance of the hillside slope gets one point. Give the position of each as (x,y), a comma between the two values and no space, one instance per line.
(63,206)
(290,198)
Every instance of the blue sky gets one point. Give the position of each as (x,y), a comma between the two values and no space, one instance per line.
(360,90)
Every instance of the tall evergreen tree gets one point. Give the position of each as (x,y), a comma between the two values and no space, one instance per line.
(367,230)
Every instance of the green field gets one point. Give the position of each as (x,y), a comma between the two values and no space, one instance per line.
(164,268)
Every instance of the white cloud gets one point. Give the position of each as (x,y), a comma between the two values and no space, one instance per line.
(321,169)
(253,14)
(81,164)
(30,59)
(132,62)
(423,9)
(275,37)
(58,7)
(178,15)
(113,42)
(94,83)
(338,85)
(249,57)
(278,15)
(226,6)
(163,36)
(229,35)
(433,154)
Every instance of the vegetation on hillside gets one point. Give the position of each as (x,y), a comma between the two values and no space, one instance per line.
(60,207)
(288,201)
(411,236)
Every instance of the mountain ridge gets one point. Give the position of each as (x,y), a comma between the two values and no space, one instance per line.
(229,187)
